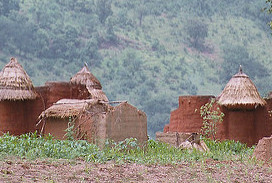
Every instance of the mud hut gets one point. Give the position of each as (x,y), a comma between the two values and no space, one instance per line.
(95,120)
(16,97)
(240,93)
(78,113)
(242,105)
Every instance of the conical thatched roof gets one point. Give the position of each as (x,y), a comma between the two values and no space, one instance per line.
(15,84)
(240,93)
(85,77)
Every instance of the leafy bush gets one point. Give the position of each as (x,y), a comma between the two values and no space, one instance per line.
(211,118)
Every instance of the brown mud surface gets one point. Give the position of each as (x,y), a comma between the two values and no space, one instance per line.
(22,170)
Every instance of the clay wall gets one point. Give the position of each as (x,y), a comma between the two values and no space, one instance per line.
(187,117)
(13,117)
(79,92)
(247,126)
(263,120)
(20,117)
(36,107)
(57,91)
(241,126)
(61,90)
(126,121)
(56,127)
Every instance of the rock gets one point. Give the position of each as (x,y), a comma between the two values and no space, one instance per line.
(186,145)
(263,150)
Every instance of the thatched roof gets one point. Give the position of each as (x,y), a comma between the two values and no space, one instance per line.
(85,77)
(15,84)
(65,108)
(98,94)
(240,93)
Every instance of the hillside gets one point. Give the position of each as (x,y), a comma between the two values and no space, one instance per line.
(148,52)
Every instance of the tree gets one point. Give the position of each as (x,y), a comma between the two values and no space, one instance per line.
(269,10)
(238,55)
(197,31)
(8,5)
(103,10)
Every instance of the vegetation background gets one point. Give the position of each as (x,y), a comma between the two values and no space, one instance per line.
(148,52)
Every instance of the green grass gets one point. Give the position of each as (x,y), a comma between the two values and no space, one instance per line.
(31,146)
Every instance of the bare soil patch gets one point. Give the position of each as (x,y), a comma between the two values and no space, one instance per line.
(18,170)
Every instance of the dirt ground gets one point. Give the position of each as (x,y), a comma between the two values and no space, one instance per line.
(17,170)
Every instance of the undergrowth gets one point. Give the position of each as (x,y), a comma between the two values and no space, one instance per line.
(32,146)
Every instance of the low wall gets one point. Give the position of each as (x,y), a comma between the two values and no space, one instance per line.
(172,138)
(187,117)
(125,121)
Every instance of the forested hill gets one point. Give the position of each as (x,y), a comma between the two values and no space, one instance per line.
(148,52)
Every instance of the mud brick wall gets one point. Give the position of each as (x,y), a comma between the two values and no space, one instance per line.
(14,117)
(87,126)
(57,91)
(56,127)
(187,117)
(264,120)
(247,126)
(79,92)
(126,121)
(241,126)
(20,117)
(172,138)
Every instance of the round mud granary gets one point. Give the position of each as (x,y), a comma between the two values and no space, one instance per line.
(241,102)
(16,95)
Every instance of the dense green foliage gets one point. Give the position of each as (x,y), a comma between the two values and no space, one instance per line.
(148,52)
(33,147)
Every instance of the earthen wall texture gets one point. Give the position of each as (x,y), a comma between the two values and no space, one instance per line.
(263,118)
(56,127)
(14,117)
(187,117)
(57,91)
(126,121)
(20,117)
(51,93)
(263,150)
(247,126)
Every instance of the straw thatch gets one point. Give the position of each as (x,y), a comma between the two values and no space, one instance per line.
(85,77)
(15,84)
(67,108)
(98,94)
(240,93)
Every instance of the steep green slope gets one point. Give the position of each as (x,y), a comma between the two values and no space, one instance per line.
(148,52)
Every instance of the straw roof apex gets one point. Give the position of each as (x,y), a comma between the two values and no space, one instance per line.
(240,93)
(15,84)
(85,77)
